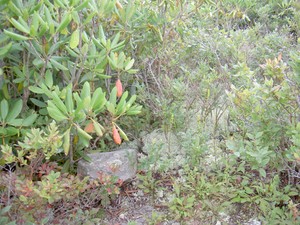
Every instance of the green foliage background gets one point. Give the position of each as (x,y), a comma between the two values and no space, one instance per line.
(221,76)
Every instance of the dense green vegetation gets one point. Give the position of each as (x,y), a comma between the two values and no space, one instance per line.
(79,76)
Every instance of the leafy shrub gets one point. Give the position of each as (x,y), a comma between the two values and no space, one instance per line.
(63,71)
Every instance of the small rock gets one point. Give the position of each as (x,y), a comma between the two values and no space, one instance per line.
(121,163)
(122,216)
(253,222)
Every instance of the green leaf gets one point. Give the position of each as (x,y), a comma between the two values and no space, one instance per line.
(46,90)
(79,102)
(83,155)
(98,100)
(49,79)
(112,62)
(122,133)
(86,91)
(89,18)
(87,103)
(121,107)
(102,35)
(19,26)
(83,134)
(111,108)
(15,110)
(49,20)
(75,17)
(113,96)
(69,99)
(115,41)
(54,48)
(134,110)
(86,39)
(5,210)
(4,50)
(262,172)
(129,65)
(14,8)
(55,113)
(71,52)
(132,71)
(58,66)
(2,131)
(103,76)
(131,101)
(4,109)
(59,103)
(65,22)
(98,44)
(38,103)
(98,129)
(66,144)
(82,5)
(12,131)
(35,24)
(29,120)
(66,166)
(16,122)
(74,41)
(15,36)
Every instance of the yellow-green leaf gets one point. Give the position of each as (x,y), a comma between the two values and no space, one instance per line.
(74,41)
(83,134)
(65,22)
(15,36)
(19,26)
(66,144)
(122,133)
(4,109)
(98,129)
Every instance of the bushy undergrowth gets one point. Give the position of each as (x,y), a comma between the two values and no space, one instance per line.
(222,77)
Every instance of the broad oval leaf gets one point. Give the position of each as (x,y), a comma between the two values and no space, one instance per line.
(16,122)
(15,110)
(74,41)
(129,65)
(4,109)
(86,91)
(49,79)
(29,120)
(38,103)
(55,113)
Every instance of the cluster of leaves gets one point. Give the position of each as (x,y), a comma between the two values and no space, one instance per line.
(63,66)
(56,196)
(204,197)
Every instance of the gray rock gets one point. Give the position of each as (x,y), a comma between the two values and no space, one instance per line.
(253,222)
(121,163)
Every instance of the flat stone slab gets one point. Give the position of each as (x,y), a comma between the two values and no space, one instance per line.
(121,163)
